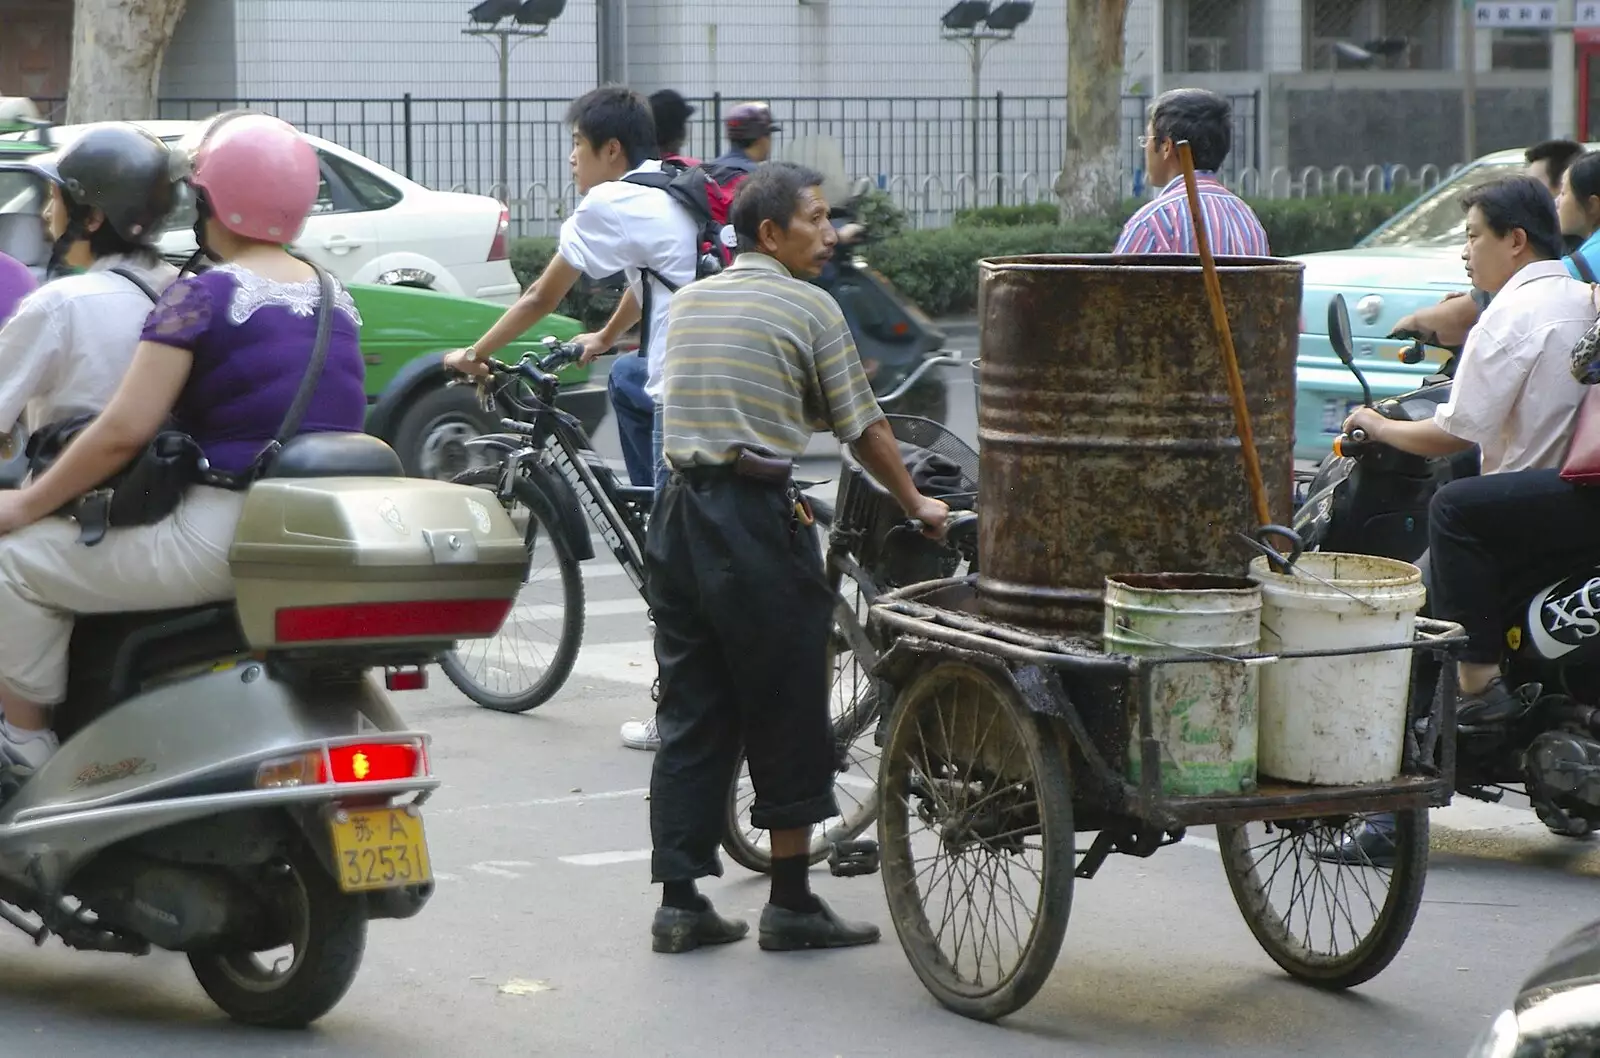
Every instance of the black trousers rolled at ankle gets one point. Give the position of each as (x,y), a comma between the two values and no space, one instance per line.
(743,618)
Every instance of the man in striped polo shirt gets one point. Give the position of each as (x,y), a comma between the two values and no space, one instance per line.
(757,359)
(1205,119)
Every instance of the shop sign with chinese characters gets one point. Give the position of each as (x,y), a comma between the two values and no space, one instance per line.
(1538,15)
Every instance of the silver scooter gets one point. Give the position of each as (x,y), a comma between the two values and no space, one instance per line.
(233,782)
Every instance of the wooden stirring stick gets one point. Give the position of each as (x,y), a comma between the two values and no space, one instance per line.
(1219,319)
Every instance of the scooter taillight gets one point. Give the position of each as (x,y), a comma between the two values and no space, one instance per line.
(367,762)
(373,763)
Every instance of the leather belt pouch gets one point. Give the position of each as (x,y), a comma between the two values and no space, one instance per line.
(763,468)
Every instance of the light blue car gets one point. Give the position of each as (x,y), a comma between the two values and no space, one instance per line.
(1410,262)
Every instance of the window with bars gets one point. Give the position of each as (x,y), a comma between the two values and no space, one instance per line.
(1212,35)
(1379,34)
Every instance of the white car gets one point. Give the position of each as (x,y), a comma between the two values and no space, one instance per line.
(372,225)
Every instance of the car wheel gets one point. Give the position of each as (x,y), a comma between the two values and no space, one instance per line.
(432,433)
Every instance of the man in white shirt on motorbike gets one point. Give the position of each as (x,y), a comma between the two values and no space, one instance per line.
(1513,395)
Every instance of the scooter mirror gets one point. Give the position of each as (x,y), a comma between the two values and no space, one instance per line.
(1339,334)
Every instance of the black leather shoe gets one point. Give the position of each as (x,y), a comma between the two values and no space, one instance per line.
(675,930)
(785,930)
(1368,847)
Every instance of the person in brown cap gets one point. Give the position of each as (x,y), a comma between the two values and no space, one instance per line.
(750,129)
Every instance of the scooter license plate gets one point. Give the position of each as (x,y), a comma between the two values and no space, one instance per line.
(379,848)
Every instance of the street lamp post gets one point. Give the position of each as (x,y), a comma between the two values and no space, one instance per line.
(979,28)
(527,19)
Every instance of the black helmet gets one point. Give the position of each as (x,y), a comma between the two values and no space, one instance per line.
(119,169)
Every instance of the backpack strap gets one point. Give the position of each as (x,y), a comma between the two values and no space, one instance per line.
(661,181)
(1584,271)
(144,287)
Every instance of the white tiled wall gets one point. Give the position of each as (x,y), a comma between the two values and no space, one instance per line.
(839,48)
(381,49)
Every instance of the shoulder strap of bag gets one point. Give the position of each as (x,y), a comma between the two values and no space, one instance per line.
(134,278)
(1584,271)
(302,398)
(319,360)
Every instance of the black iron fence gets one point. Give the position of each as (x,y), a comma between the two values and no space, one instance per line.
(933,155)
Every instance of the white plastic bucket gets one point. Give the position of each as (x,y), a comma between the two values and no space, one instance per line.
(1339,720)
(1205,713)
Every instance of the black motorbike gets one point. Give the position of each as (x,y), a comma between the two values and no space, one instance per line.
(901,349)
(1371,499)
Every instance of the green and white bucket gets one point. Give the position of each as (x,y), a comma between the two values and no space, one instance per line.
(1205,712)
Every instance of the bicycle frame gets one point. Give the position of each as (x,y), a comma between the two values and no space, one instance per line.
(615,511)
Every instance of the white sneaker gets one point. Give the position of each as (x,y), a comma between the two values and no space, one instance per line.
(26,751)
(641,734)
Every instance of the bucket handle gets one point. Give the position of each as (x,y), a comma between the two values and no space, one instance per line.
(1279,563)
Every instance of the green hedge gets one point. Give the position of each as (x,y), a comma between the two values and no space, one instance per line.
(938,267)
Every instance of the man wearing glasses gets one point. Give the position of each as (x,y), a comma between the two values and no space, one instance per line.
(1163,225)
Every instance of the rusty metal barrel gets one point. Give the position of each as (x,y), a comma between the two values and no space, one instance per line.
(1106,436)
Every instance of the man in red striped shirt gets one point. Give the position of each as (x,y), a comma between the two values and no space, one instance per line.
(1205,119)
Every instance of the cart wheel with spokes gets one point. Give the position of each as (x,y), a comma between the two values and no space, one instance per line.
(324,934)
(977,839)
(1333,925)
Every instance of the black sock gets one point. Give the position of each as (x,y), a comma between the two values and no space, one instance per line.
(791,885)
(683,895)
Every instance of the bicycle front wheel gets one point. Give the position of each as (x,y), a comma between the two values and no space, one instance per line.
(528,660)
(857,714)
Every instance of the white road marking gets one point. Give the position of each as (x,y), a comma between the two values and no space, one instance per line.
(602,859)
(498,867)
(600,567)
(629,662)
(545,802)
(602,608)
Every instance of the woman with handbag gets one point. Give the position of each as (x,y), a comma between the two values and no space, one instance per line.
(67,346)
(222,358)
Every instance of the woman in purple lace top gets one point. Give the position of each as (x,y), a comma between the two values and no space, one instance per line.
(223,354)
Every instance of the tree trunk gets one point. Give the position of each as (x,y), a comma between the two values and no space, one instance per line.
(117,49)
(1090,184)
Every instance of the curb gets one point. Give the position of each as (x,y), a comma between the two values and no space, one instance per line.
(1510,835)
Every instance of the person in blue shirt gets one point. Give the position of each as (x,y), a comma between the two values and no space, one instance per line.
(1578,205)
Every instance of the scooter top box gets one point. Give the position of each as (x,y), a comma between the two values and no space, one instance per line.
(373,560)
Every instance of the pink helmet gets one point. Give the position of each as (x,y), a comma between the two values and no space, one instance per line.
(259,176)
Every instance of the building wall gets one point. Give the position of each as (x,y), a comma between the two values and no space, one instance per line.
(202,60)
(1415,120)
(783,48)
(364,49)
(35,47)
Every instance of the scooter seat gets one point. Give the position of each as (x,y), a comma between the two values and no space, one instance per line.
(336,455)
(112,655)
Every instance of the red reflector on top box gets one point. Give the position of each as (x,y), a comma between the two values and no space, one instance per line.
(458,619)
(351,561)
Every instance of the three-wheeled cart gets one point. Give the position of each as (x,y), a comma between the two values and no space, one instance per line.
(1001,746)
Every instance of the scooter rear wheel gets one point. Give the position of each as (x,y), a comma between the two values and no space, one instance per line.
(327,932)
